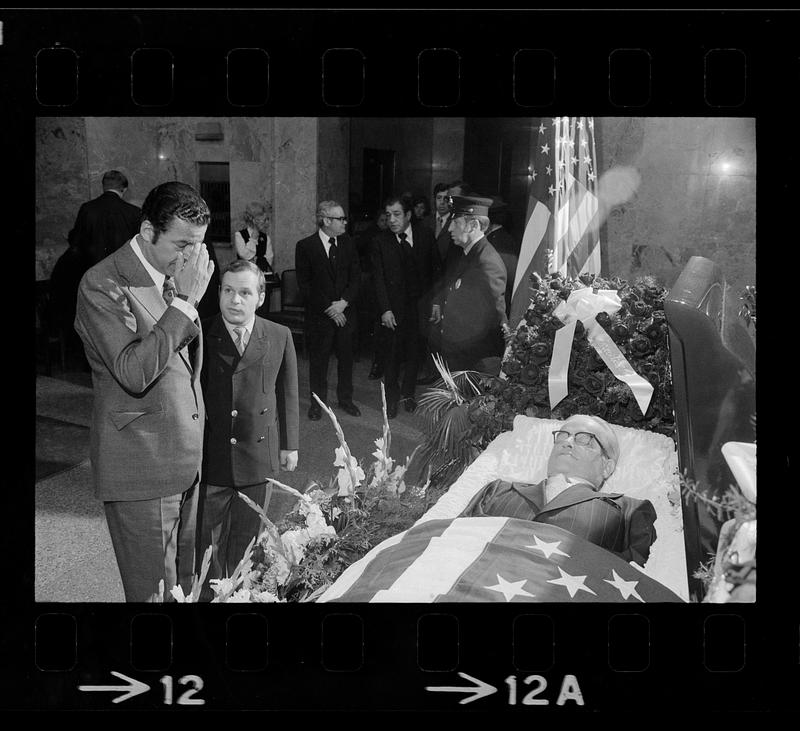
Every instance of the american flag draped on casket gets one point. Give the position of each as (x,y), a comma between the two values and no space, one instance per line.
(493,559)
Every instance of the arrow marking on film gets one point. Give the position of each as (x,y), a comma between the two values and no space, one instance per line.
(479,689)
(133,687)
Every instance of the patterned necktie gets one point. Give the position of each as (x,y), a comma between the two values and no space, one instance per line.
(439,222)
(168,291)
(240,344)
(332,252)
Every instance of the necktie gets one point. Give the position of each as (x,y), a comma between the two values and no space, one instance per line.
(332,252)
(439,222)
(404,243)
(240,344)
(168,291)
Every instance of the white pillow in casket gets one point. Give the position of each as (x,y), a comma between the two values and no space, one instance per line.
(647,469)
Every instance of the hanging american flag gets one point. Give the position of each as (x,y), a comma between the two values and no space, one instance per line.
(562,229)
(493,559)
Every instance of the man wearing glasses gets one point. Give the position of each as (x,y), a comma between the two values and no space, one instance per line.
(328,275)
(585,453)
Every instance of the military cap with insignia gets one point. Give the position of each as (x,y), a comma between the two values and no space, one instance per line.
(470,204)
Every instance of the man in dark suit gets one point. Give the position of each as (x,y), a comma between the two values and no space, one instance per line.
(136,314)
(402,267)
(328,275)
(585,453)
(471,304)
(106,222)
(250,388)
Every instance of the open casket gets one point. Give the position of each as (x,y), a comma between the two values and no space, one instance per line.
(447,558)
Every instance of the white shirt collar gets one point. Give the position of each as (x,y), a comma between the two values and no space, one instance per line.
(556,484)
(409,236)
(157,277)
(326,240)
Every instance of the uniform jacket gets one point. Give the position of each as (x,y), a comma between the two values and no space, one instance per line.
(319,284)
(613,521)
(148,416)
(473,307)
(104,224)
(251,403)
(392,290)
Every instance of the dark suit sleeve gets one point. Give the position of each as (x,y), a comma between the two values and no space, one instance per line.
(496,276)
(287,397)
(641,531)
(302,264)
(350,294)
(379,275)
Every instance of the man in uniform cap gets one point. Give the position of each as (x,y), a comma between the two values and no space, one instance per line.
(471,306)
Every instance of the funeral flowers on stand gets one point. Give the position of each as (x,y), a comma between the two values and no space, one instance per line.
(329,528)
(477,407)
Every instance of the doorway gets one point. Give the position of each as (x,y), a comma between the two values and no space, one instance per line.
(215,188)
(378,182)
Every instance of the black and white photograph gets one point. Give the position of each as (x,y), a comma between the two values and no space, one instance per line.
(401,359)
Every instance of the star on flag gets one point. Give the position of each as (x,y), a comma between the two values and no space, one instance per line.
(545,148)
(548,549)
(626,588)
(510,589)
(573,584)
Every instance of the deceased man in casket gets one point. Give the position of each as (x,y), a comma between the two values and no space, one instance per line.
(552,511)
(585,454)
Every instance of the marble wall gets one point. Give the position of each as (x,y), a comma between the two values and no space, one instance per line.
(333,168)
(73,153)
(697,195)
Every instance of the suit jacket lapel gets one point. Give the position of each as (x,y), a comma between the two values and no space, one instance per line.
(532,493)
(140,284)
(221,343)
(256,346)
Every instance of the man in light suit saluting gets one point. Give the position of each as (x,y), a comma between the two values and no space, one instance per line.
(136,316)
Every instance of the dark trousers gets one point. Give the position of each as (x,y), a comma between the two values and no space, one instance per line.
(404,343)
(325,338)
(154,541)
(228,525)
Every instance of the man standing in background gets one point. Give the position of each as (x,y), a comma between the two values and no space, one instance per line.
(471,305)
(329,275)
(106,222)
(402,267)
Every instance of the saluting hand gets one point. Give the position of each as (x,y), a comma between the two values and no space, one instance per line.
(387,320)
(193,272)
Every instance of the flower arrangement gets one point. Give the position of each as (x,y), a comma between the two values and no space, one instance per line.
(473,408)
(329,528)
(638,329)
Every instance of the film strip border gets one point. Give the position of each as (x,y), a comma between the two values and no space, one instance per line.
(346,78)
(506,62)
(396,658)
